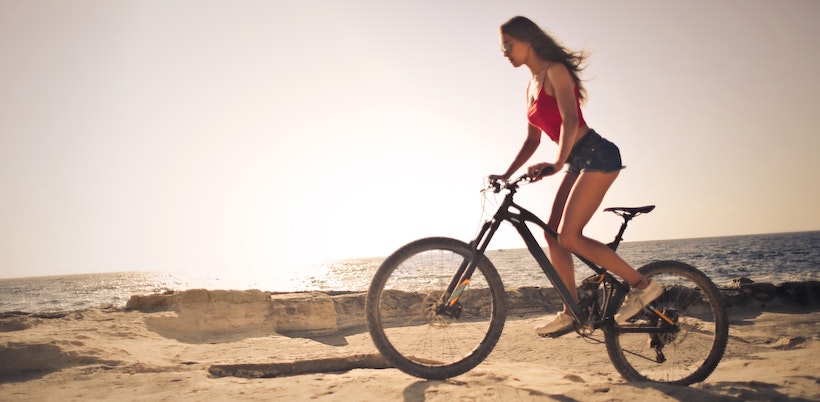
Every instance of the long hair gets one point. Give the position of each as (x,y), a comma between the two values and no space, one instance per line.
(547,48)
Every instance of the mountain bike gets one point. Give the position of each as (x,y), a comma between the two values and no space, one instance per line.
(436,307)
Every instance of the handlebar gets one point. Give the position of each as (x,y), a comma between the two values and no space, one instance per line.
(497,185)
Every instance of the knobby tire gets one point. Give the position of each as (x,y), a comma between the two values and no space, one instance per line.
(692,353)
(401,310)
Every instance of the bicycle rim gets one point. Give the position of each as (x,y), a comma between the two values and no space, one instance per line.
(402,316)
(682,357)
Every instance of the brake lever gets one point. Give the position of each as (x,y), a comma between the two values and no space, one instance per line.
(494,185)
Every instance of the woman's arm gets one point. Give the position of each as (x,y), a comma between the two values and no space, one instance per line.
(527,150)
(563,89)
(529,147)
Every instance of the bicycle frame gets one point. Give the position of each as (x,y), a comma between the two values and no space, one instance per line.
(456,330)
(519,217)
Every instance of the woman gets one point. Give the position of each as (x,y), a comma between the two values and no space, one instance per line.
(554,95)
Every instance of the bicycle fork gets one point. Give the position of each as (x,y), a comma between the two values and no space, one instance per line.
(450,307)
(457,293)
(461,279)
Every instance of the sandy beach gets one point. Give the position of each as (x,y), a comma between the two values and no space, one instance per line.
(151,355)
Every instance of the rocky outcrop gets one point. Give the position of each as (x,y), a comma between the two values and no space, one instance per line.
(744,292)
(201,315)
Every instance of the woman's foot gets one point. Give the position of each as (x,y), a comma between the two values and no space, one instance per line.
(561,322)
(637,299)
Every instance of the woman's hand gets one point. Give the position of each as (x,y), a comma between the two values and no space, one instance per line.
(541,170)
(497,177)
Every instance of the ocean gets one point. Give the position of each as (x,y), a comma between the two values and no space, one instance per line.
(773,258)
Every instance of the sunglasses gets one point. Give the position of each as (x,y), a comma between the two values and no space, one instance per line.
(506,47)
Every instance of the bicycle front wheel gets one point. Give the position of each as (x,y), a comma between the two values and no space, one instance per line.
(683,353)
(411,329)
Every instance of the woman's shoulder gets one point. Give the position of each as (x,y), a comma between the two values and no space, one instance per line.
(559,75)
(556,68)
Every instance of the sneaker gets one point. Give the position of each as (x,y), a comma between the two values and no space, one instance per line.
(560,323)
(636,300)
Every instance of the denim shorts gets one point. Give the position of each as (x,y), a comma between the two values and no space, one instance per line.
(593,153)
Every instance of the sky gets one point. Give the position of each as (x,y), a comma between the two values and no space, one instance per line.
(257,137)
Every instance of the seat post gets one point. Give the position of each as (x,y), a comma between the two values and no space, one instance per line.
(627,214)
(619,237)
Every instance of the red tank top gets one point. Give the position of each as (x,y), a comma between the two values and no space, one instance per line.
(544,114)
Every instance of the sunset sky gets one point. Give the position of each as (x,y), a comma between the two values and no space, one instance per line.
(256,136)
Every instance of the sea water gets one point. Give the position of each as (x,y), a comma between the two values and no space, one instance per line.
(774,258)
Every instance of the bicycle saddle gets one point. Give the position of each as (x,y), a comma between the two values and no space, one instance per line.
(631,211)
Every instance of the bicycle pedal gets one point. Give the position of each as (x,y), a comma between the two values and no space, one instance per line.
(558,333)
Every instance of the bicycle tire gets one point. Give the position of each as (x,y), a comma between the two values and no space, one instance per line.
(691,354)
(404,324)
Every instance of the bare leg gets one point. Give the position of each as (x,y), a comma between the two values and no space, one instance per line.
(579,196)
(560,257)
(584,199)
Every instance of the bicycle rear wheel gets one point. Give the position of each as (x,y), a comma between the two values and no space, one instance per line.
(406,323)
(684,356)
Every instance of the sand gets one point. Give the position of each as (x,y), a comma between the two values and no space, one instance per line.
(113,354)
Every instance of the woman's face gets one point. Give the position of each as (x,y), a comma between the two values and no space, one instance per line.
(514,50)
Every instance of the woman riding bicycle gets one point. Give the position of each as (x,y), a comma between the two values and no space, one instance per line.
(554,95)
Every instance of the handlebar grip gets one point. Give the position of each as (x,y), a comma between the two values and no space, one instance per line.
(546,170)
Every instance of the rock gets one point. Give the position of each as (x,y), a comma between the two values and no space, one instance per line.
(760,291)
(50,314)
(303,366)
(350,310)
(201,315)
(224,310)
(303,313)
(215,315)
(742,292)
(802,293)
(155,302)
(738,282)
(532,299)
